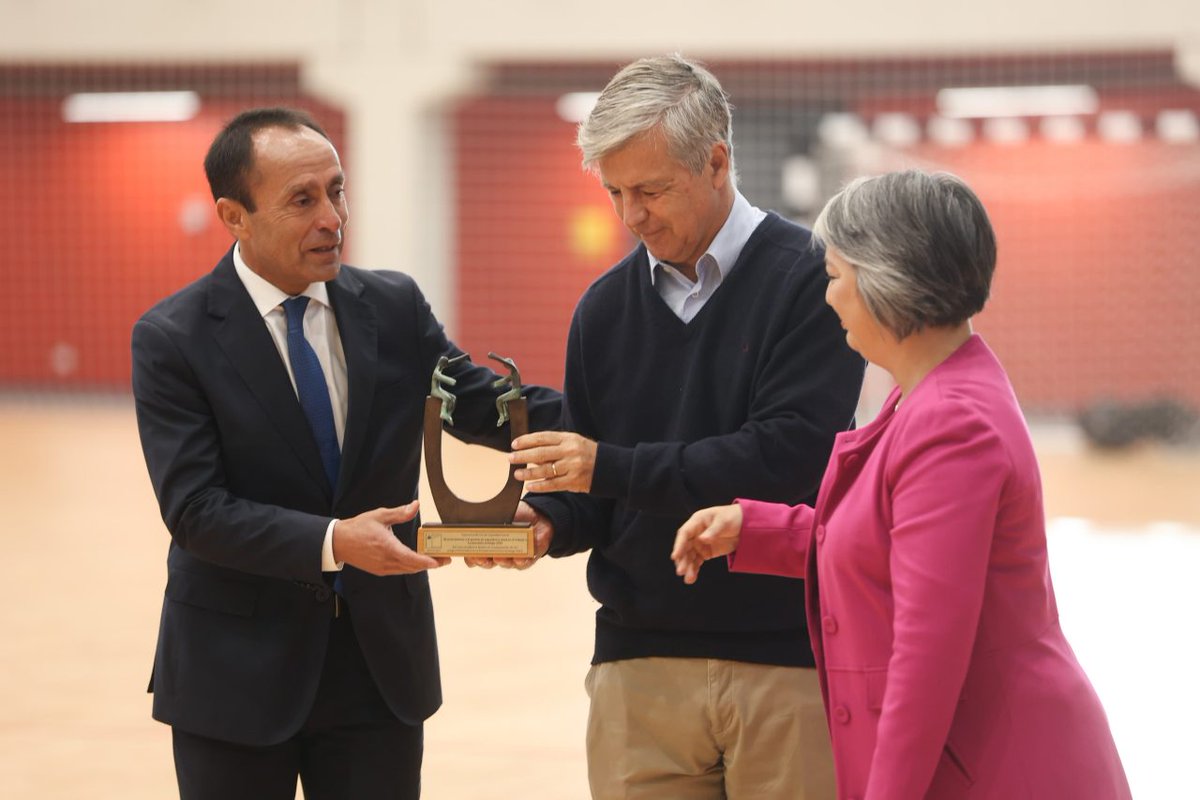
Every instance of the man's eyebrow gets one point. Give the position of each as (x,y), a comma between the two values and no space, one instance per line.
(299,187)
(643,185)
(311,183)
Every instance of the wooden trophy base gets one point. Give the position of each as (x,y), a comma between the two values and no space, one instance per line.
(510,540)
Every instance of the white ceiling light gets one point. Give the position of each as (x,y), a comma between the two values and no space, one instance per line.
(575,106)
(1005,130)
(1017,101)
(1062,129)
(1177,126)
(950,132)
(801,187)
(897,130)
(1119,126)
(131,107)
(842,129)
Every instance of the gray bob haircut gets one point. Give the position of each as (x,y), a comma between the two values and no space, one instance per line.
(680,96)
(921,245)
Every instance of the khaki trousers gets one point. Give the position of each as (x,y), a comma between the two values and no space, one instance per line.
(703,729)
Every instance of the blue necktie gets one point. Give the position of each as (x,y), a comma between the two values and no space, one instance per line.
(310,384)
(314,396)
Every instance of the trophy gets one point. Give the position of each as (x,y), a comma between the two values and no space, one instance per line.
(479,529)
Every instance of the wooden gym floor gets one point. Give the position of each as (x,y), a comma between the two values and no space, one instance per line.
(84,552)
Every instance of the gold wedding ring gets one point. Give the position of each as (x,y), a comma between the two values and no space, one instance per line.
(554,469)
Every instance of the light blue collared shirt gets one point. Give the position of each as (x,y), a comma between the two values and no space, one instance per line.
(686,297)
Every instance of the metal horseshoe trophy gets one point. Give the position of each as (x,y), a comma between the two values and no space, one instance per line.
(478,529)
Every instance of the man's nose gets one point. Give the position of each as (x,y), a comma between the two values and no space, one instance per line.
(330,218)
(633,213)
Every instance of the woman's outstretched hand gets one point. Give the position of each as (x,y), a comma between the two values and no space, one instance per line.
(709,533)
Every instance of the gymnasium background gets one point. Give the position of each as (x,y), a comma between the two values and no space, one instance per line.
(455,122)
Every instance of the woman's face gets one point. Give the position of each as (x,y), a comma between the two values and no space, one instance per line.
(864,334)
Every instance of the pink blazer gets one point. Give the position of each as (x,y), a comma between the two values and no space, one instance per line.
(943,667)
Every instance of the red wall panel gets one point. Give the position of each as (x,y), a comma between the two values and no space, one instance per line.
(533,230)
(1097,279)
(1094,295)
(99,221)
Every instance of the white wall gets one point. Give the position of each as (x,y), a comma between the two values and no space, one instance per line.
(391,63)
(458,29)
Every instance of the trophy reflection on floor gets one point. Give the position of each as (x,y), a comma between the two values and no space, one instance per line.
(476,529)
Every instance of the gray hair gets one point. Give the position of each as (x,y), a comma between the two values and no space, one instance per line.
(676,95)
(921,246)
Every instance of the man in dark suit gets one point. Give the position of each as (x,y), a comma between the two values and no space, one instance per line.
(279,401)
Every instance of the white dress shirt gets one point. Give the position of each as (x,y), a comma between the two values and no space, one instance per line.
(686,297)
(321,331)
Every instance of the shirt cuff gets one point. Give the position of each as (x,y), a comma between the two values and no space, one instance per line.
(327,562)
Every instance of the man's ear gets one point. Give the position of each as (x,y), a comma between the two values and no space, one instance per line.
(718,159)
(233,216)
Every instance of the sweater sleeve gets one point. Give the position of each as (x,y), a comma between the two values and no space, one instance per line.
(947,484)
(475,414)
(580,521)
(774,540)
(804,394)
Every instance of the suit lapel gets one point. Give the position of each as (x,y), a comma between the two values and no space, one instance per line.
(358,328)
(242,336)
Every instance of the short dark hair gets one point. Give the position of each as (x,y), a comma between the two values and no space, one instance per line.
(921,245)
(231,154)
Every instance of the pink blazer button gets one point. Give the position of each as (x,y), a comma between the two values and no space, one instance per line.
(830,625)
(820,533)
(841,714)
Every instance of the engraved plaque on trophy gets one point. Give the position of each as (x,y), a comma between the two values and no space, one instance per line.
(478,529)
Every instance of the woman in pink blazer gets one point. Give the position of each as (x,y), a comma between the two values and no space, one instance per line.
(943,667)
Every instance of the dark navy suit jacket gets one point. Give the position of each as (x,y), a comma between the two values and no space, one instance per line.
(245,620)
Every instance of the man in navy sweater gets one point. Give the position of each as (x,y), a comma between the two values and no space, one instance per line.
(703,367)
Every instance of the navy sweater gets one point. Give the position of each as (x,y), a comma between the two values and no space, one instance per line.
(743,401)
